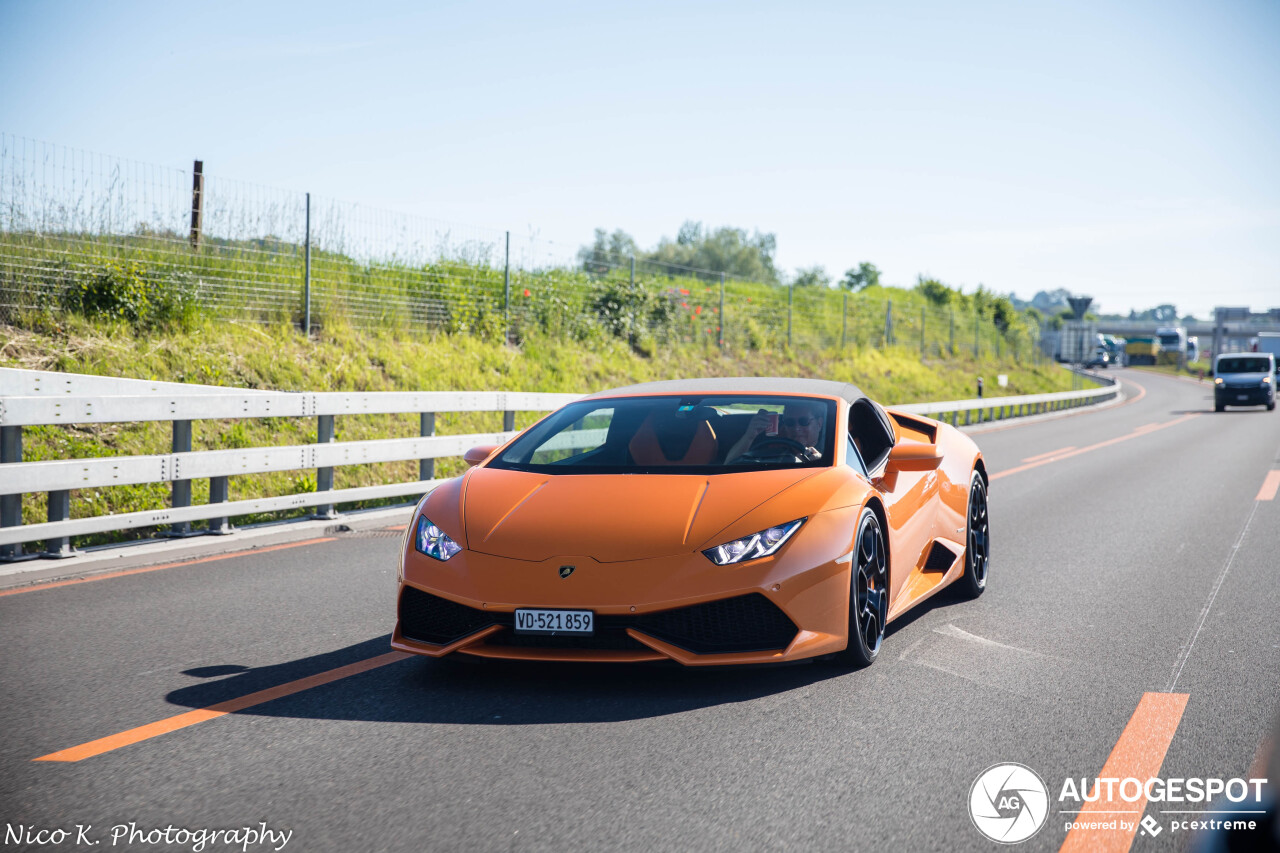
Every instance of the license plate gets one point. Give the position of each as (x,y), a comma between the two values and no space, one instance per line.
(529,621)
(1242,396)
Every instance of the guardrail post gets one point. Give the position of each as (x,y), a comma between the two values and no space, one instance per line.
(11,505)
(219,493)
(180,490)
(508,421)
(427,427)
(888,323)
(59,510)
(324,476)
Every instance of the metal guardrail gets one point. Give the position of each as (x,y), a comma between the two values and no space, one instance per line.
(997,408)
(29,398)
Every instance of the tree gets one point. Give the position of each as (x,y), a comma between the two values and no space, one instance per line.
(608,250)
(815,276)
(933,290)
(731,251)
(1063,315)
(861,277)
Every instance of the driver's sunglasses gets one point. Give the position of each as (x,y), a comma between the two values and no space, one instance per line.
(800,422)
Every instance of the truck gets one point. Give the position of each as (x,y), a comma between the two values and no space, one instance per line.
(1115,349)
(1270,342)
(1173,344)
(1077,342)
(1142,350)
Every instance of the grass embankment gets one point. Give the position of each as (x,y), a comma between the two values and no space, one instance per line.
(343,359)
(1196,369)
(150,277)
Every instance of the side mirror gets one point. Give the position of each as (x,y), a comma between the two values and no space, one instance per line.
(913,456)
(476,455)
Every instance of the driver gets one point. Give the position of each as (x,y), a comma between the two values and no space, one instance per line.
(801,422)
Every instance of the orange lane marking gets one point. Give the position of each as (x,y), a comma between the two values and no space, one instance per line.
(1040,456)
(1137,433)
(1270,486)
(1137,755)
(109,575)
(190,718)
(396,527)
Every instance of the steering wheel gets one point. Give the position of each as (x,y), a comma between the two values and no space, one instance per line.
(772,447)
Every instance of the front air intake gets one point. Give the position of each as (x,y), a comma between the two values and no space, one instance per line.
(430,619)
(747,623)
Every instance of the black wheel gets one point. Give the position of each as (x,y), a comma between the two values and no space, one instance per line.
(1271,407)
(1218,407)
(977,548)
(868,593)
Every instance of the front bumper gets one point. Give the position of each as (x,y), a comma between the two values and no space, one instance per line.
(684,608)
(1252,395)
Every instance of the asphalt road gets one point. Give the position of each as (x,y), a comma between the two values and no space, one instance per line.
(1132,555)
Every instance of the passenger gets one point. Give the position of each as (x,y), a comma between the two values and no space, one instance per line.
(801,422)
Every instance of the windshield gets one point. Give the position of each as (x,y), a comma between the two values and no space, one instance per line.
(712,434)
(1170,340)
(1244,364)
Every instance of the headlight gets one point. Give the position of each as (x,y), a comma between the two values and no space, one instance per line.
(433,541)
(1217,380)
(752,547)
(1266,380)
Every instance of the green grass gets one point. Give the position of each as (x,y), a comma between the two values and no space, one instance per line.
(341,358)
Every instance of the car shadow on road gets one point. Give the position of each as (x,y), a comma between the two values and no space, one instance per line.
(465,690)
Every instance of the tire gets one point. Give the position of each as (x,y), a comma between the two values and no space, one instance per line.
(1271,407)
(868,593)
(977,541)
(1219,407)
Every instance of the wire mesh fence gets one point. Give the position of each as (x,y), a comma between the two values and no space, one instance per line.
(83,231)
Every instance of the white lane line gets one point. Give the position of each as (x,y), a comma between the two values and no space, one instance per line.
(1208,605)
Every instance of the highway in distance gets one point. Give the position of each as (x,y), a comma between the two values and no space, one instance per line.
(1131,623)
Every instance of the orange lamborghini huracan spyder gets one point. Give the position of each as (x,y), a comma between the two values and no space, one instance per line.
(707,521)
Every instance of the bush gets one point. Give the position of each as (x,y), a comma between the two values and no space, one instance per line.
(127,290)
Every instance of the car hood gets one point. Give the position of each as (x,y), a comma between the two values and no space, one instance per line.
(609,517)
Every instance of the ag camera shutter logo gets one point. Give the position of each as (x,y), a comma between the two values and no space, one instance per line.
(1008,803)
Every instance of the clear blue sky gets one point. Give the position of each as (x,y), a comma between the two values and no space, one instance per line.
(1128,151)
